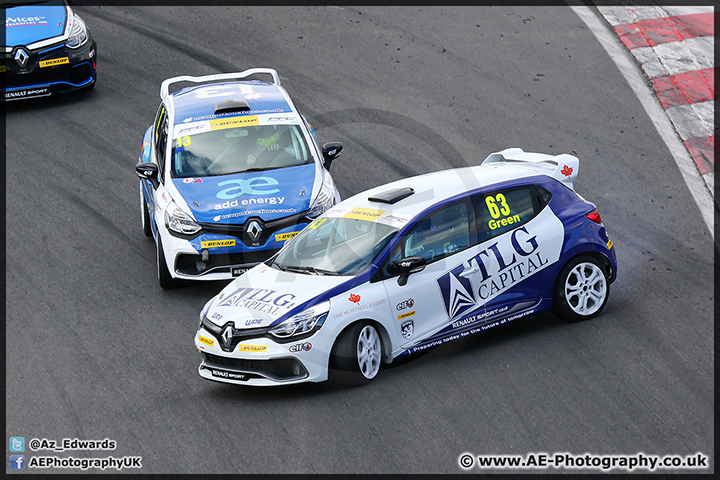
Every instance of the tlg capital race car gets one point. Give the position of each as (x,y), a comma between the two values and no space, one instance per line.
(408,266)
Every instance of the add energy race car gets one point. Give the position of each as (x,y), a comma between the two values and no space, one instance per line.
(410,265)
(229,171)
(48,50)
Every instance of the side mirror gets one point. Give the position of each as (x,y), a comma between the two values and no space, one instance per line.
(331,151)
(410,265)
(148,171)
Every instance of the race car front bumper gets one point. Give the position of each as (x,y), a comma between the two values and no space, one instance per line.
(261,361)
(51,70)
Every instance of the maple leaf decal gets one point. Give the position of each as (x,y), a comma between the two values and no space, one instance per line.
(354,298)
(567,171)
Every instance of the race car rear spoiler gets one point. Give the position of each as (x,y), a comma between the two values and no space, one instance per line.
(563,167)
(165,86)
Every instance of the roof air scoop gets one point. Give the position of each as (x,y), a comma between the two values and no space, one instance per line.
(231,105)
(392,196)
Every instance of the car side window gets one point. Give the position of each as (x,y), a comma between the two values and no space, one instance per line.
(503,210)
(438,235)
(160,134)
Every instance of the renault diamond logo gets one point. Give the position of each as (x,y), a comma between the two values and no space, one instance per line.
(227,336)
(254,230)
(21,57)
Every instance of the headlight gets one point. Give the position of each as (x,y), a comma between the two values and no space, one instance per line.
(203,312)
(323,202)
(179,221)
(305,322)
(79,35)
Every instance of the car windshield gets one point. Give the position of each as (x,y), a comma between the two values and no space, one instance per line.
(335,246)
(237,150)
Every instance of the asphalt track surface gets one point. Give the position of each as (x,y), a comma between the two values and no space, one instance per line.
(95,349)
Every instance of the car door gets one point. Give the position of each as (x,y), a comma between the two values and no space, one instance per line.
(432,300)
(519,237)
(159,142)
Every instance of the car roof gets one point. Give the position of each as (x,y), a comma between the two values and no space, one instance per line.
(436,188)
(265,98)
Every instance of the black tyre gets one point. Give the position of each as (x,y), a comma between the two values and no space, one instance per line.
(164,277)
(144,215)
(582,289)
(356,355)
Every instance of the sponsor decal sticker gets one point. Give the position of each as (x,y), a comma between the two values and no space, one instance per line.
(218,243)
(407,329)
(354,298)
(253,321)
(281,237)
(24,21)
(279,119)
(237,271)
(364,214)
(248,186)
(251,348)
(609,244)
(260,299)
(500,266)
(229,375)
(394,219)
(234,122)
(250,201)
(360,308)
(33,92)
(479,328)
(567,171)
(406,314)
(301,347)
(3,69)
(206,341)
(192,180)
(217,218)
(54,61)
(405,304)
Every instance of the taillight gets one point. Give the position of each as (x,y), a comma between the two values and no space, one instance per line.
(594,216)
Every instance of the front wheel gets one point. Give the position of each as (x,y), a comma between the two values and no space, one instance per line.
(582,289)
(357,354)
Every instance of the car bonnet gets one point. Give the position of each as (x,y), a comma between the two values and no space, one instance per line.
(32,23)
(232,199)
(262,295)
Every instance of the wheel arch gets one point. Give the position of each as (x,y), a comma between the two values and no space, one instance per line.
(385,341)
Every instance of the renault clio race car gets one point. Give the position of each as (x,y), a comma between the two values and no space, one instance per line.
(229,171)
(410,265)
(48,50)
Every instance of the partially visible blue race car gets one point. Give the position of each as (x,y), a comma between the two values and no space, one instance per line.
(229,171)
(48,50)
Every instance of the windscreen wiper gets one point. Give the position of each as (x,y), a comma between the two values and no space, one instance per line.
(311,269)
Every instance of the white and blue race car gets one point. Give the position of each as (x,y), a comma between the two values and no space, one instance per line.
(410,265)
(48,50)
(229,170)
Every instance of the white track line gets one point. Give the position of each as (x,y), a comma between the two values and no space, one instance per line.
(631,71)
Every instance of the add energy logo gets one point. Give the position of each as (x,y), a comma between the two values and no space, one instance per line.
(502,265)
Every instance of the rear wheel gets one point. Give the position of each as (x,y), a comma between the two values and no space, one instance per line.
(144,215)
(582,289)
(357,354)
(164,278)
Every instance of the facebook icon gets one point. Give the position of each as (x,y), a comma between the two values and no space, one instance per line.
(17,462)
